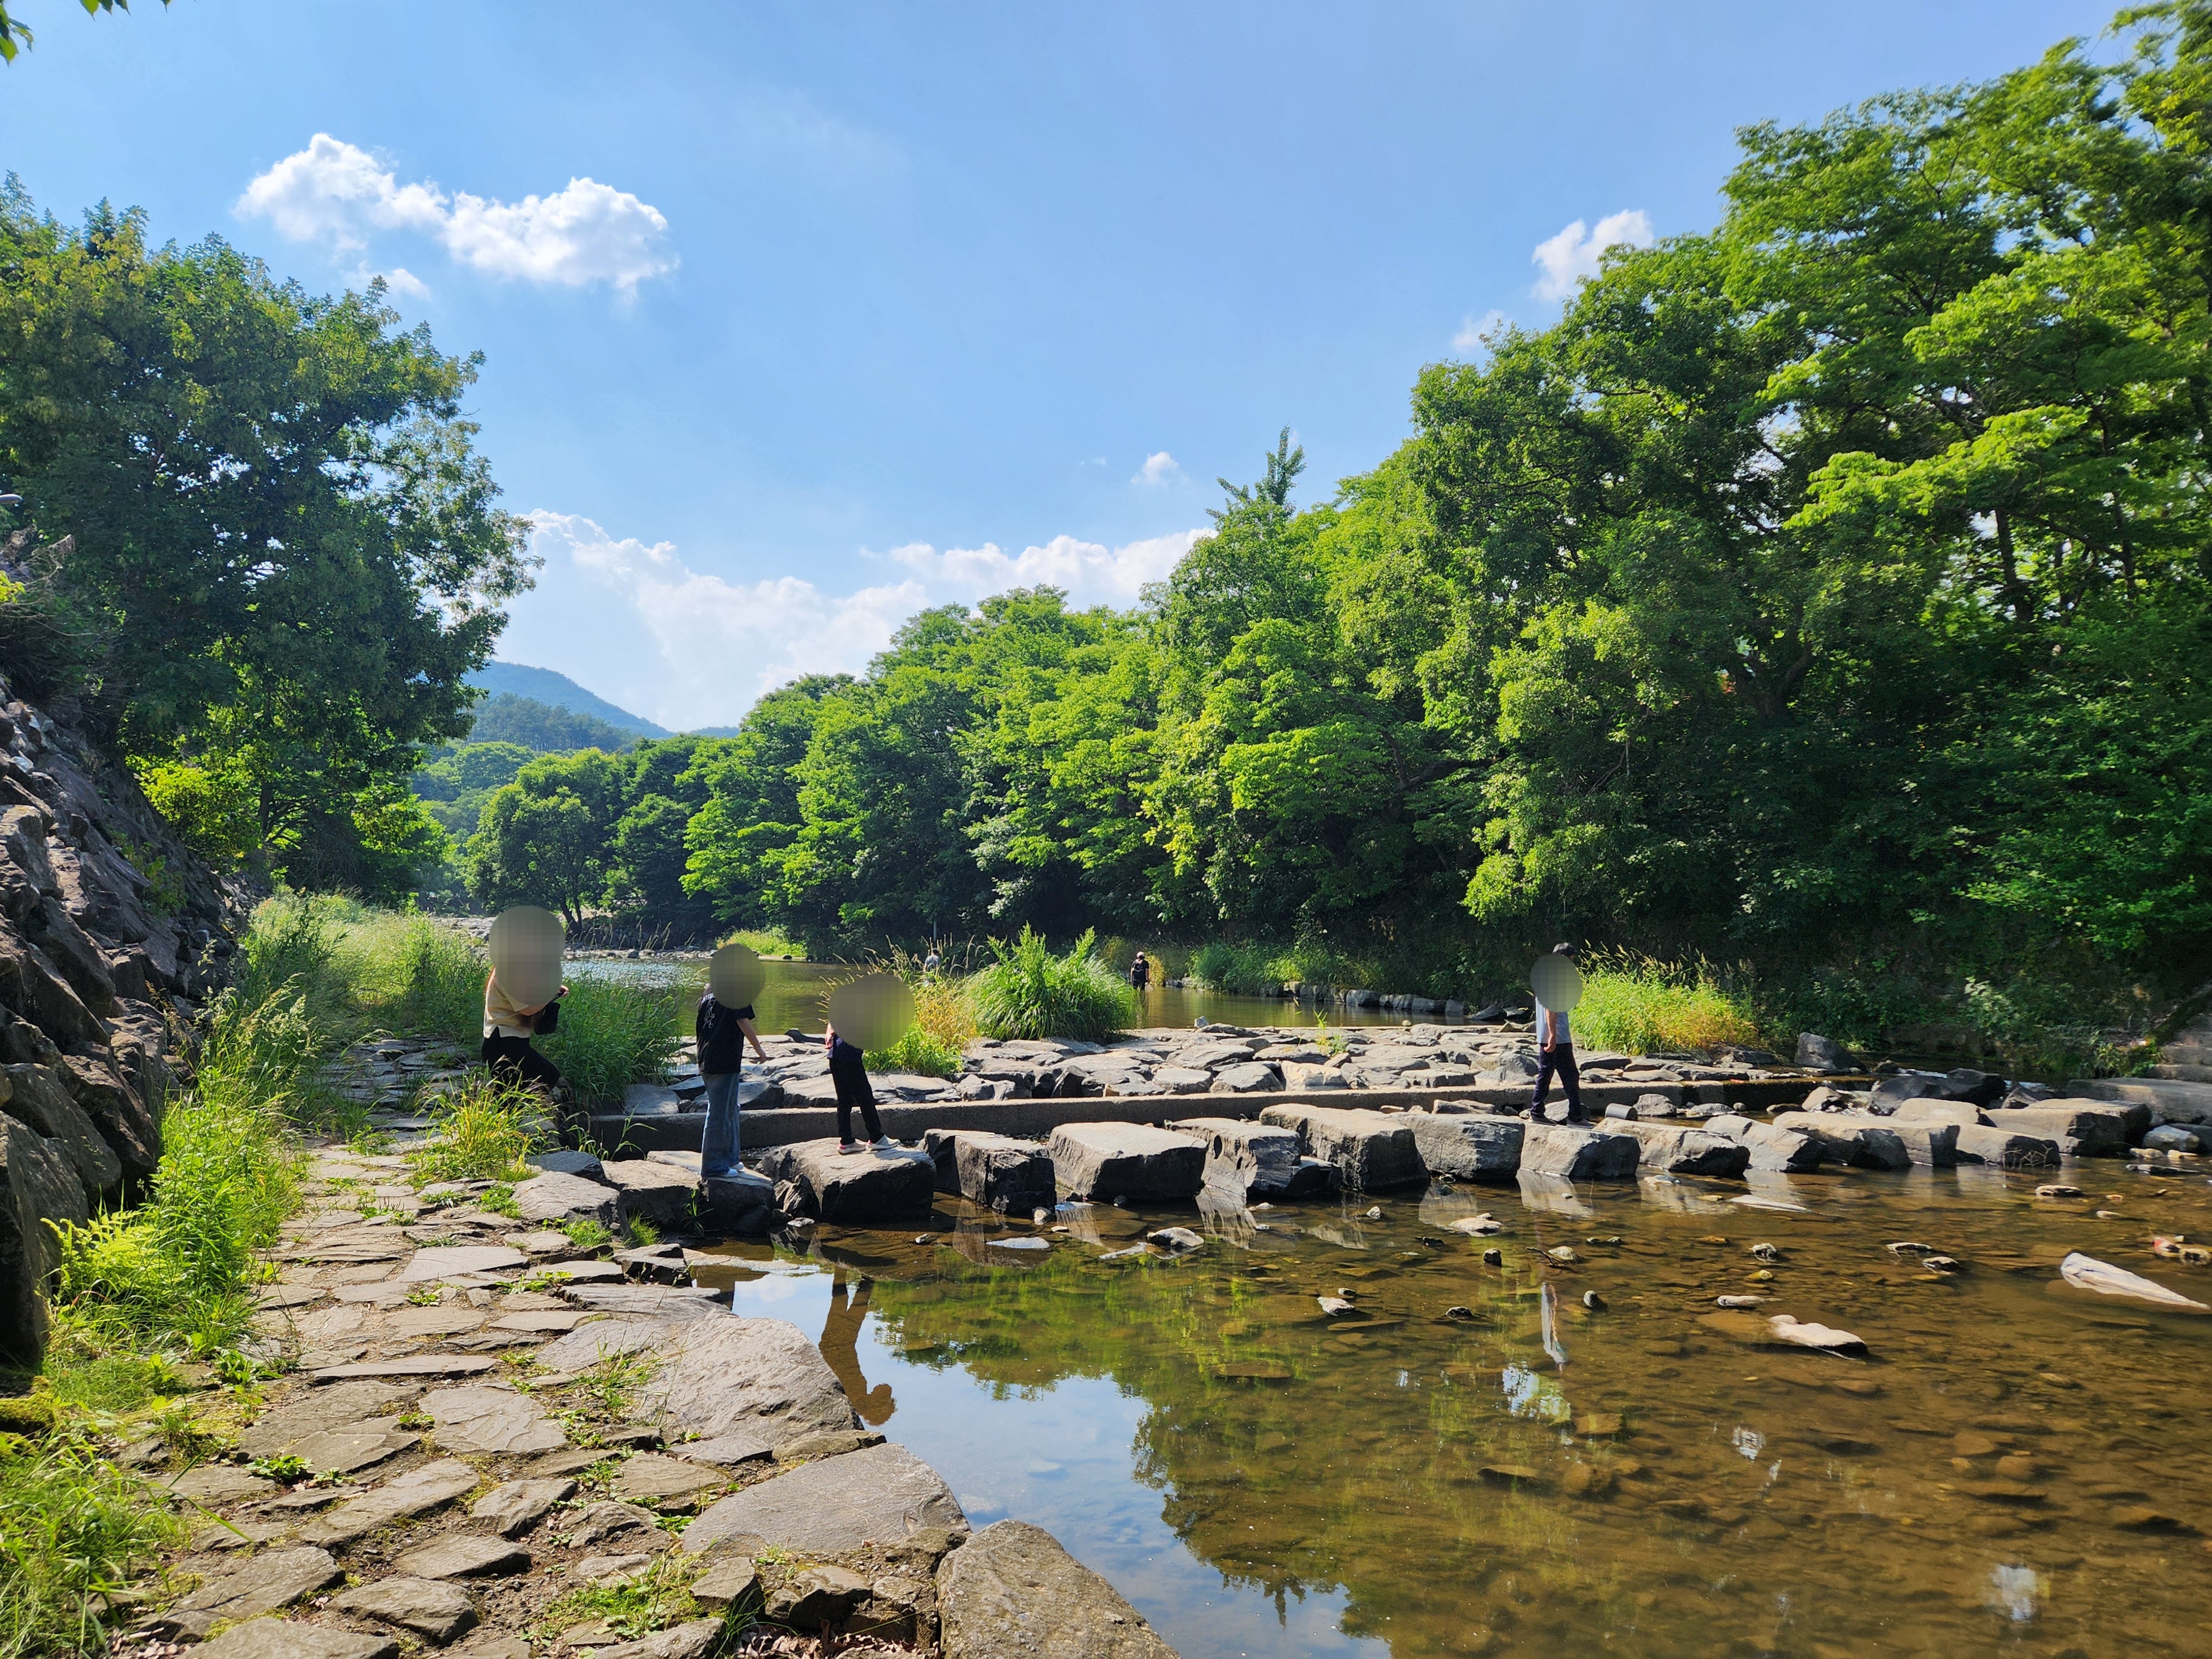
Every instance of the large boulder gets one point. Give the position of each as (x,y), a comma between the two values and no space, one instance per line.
(2014,1149)
(1580,1154)
(2089,1129)
(1775,1151)
(35,1095)
(1864,1143)
(1012,1590)
(558,1196)
(881,1494)
(1014,1177)
(33,987)
(1819,1053)
(1374,1150)
(1258,1162)
(1132,1161)
(1893,1088)
(719,1374)
(37,1186)
(853,1187)
(1674,1149)
(117,1112)
(1469,1146)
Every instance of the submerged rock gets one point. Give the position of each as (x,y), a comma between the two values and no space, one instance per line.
(2087,1273)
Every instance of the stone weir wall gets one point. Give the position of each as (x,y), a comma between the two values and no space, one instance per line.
(112,933)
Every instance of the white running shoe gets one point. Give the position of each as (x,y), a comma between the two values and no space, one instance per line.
(885,1144)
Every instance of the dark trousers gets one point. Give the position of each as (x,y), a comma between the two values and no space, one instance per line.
(1562,1060)
(515,1062)
(853,1089)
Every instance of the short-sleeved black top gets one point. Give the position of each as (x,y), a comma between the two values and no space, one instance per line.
(721,1039)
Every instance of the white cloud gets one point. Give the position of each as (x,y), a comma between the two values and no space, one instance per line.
(1472,329)
(337,193)
(1572,255)
(398,281)
(1159,469)
(687,648)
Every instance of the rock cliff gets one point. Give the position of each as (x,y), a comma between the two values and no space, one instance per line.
(112,935)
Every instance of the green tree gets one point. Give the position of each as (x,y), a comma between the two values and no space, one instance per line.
(547,838)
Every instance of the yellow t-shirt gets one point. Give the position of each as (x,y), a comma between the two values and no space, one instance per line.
(502,1017)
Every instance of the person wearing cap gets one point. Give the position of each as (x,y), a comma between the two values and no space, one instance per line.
(1555,1052)
(722,1034)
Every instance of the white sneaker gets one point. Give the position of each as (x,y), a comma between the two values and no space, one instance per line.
(885,1144)
(852,1146)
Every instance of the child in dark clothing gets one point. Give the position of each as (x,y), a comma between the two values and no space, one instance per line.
(722,1035)
(851,1077)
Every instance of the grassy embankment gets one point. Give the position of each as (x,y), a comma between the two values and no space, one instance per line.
(152,1314)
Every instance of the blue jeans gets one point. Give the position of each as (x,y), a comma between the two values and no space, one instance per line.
(718,1147)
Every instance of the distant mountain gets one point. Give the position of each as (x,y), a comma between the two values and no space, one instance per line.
(545,686)
(503,717)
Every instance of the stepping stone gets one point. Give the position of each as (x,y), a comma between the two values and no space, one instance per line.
(2007,1148)
(271,1580)
(420,1365)
(1468,1146)
(724,1375)
(1014,1177)
(1775,1151)
(882,1494)
(559,1275)
(665,1482)
(1373,1149)
(516,1506)
(543,1243)
(215,1484)
(416,1492)
(339,1406)
(597,1522)
(496,1420)
(436,1611)
(653,1191)
(289,1296)
(1672,1149)
(431,1265)
(601,1339)
(1578,1154)
(555,1196)
(1259,1162)
(854,1189)
(283,1638)
(550,1322)
(463,1555)
(725,1449)
(672,1302)
(356,1446)
(1011,1589)
(566,1162)
(432,1322)
(1100,1162)
(687,1641)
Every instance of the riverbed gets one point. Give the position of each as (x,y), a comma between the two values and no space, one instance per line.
(795,992)
(2014,1467)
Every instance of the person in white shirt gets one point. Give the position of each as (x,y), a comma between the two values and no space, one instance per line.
(1555,1052)
(507,1029)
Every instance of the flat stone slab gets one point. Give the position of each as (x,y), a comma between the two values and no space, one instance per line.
(283,1638)
(883,1494)
(263,1583)
(463,1555)
(853,1187)
(218,1484)
(1469,1146)
(336,1405)
(1375,1150)
(1672,1149)
(416,1364)
(515,1506)
(601,1339)
(416,1492)
(1579,1154)
(1014,1177)
(650,1478)
(1012,1590)
(494,1420)
(565,1161)
(661,1193)
(356,1446)
(1100,1162)
(428,1607)
(740,1447)
(435,1262)
(726,1376)
(559,1196)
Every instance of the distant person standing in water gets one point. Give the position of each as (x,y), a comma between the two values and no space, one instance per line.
(929,964)
(849,1073)
(1555,1052)
(722,1034)
(1141,973)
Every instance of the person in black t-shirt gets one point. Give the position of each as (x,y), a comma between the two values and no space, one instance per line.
(848,1072)
(722,1034)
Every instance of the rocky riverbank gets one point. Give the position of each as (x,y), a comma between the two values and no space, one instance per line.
(113,934)
(494,1439)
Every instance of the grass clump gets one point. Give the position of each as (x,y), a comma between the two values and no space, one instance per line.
(612,1034)
(763,942)
(485,1130)
(1027,992)
(1640,1005)
(75,1529)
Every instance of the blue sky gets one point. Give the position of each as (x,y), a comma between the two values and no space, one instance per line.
(867,306)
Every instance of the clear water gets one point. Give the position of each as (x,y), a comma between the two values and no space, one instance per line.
(795,992)
(1637,1480)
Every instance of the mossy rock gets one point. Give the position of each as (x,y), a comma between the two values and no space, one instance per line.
(30,1414)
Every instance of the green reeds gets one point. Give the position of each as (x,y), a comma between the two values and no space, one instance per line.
(1640,1006)
(612,1034)
(484,1131)
(1027,992)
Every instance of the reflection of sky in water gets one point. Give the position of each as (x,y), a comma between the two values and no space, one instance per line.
(2013,1592)
(1528,1394)
(1061,1458)
(1750,1443)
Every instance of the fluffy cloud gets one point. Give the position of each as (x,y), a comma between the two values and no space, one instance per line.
(1472,329)
(337,193)
(1159,469)
(633,622)
(1572,255)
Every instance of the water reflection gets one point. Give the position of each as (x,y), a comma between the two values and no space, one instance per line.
(1262,1480)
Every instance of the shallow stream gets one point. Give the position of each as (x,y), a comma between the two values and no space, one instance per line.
(2016,1467)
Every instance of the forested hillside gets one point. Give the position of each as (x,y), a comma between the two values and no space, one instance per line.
(1826,593)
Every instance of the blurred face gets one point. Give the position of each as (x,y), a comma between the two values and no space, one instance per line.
(525,954)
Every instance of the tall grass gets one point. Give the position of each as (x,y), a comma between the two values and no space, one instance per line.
(1027,992)
(1639,1004)
(612,1034)
(762,942)
(484,1130)
(75,1529)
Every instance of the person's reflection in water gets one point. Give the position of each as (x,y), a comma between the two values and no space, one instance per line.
(841,1337)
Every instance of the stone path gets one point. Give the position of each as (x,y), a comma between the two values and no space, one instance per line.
(501,1438)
